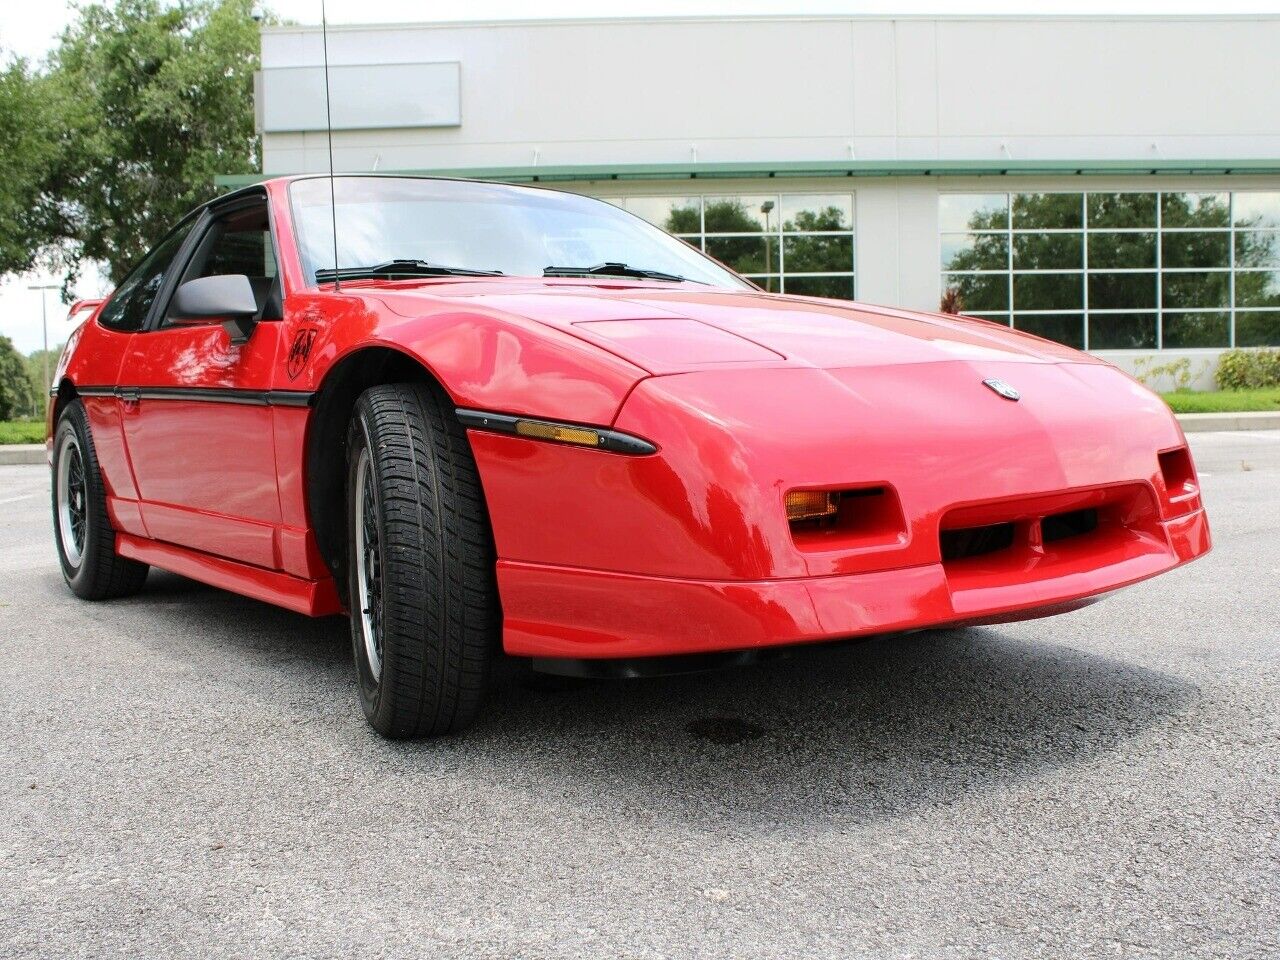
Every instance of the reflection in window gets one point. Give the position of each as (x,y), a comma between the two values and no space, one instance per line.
(801,244)
(1118,270)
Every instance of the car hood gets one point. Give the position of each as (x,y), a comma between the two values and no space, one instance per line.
(671,329)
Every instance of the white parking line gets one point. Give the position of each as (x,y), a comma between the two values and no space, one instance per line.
(25,496)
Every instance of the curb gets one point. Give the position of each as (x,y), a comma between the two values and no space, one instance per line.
(1206,422)
(13,453)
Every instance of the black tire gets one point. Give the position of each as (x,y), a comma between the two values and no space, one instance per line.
(97,572)
(432,566)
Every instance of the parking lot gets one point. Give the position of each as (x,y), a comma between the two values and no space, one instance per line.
(186,773)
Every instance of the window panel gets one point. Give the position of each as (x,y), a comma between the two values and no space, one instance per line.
(975,251)
(1196,330)
(1122,250)
(1195,209)
(818,254)
(672,214)
(1119,210)
(758,214)
(1196,290)
(958,212)
(1258,288)
(1047,291)
(1256,209)
(823,212)
(1195,249)
(980,292)
(1065,328)
(745,254)
(838,288)
(1000,318)
(1258,248)
(1047,251)
(1257,329)
(770,284)
(1047,211)
(1122,331)
(1122,291)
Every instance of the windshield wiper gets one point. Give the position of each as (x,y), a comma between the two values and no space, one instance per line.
(401,268)
(614,270)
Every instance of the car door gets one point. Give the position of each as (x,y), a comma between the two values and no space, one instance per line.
(195,401)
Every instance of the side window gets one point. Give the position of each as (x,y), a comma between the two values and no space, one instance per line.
(132,301)
(240,242)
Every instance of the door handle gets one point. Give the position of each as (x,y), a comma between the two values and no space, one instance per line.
(129,397)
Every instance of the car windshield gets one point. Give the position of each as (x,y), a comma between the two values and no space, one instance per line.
(516,231)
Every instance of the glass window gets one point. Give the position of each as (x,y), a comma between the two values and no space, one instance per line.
(772,239)
(1257,288)
(818,254)
(1064,328)
(239,243)
(1195,210)
(745,254)
(838,288)
(1257,209)
(1122,210)
(1151,269)
(980,293)
(1048,251)
(1196,290)
(1197,330)
(1047,291)
(1258,329)
(1122,250)
(741,214)
(965,211)
(672,214)
(479,226)
(130,304)
(819,212)
(1047,211)
(1257,248)
(1122,291)
(1122,331)
(1192,248)
(975,251)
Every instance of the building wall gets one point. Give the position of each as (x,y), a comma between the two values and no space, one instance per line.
(698,92)
(721,90)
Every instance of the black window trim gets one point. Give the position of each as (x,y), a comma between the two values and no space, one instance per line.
(206,216)
(194,217)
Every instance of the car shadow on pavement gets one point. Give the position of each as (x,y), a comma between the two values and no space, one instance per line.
(859,731)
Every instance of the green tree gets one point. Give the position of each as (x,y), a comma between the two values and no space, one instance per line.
(30,217)
(35,362)
(153,100)
(16,391)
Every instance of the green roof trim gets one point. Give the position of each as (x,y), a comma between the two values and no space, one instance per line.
(826,168)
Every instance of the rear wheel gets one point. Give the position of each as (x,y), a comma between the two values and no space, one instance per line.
(82,530)
(420,564)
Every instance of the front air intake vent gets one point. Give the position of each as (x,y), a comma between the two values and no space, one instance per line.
(976,541)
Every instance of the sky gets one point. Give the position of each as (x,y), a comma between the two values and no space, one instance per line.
(31,29)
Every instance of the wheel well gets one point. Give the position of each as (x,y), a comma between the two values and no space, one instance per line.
(66,393)
(326,446)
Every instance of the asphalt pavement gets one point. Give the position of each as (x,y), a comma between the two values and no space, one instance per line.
(186,773)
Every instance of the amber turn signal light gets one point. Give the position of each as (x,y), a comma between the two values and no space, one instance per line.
(811,504)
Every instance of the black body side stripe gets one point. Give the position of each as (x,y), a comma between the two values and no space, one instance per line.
(256,398)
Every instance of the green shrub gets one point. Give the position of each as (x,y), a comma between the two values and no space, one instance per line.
(1248,369)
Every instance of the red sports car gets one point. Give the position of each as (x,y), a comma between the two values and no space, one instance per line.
(484,418)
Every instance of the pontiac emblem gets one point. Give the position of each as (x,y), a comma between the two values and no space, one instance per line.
(1002,388)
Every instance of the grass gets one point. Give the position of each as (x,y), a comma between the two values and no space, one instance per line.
(21,431)
(1223,401)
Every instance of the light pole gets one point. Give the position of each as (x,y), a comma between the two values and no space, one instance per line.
(44,322)
(765,208)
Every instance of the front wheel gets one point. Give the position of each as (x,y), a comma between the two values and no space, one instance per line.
(420,564)
(81,528)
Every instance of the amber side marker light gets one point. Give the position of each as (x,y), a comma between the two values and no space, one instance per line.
(601,438)
(811,504)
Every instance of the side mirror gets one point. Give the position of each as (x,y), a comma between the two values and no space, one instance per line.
(228,298)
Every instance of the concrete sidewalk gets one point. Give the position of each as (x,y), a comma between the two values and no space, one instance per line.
(12,453)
